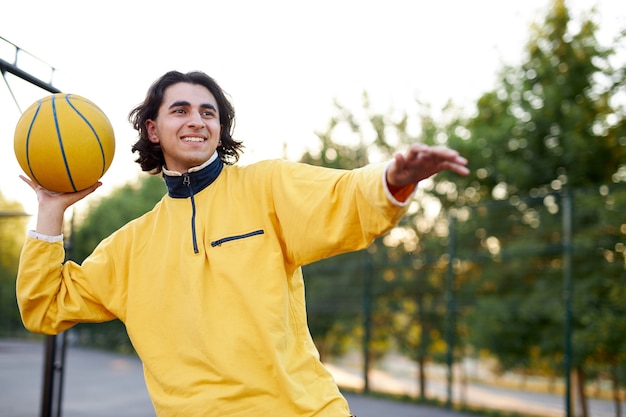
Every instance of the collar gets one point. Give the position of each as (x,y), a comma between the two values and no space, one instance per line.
(193,181)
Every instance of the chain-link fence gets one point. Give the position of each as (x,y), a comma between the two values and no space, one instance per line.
(522,292)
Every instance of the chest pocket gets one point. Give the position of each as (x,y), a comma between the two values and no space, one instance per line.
(227,239)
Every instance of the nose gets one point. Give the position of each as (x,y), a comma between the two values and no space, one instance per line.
(196,121)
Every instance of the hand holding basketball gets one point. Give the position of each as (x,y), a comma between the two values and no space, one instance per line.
(64,143)
(47,198)
(52,206)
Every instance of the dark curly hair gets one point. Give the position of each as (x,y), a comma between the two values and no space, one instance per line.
(150,154)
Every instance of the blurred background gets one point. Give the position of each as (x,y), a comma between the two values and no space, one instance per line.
(513,277)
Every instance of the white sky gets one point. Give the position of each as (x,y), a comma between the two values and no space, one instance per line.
(283,62)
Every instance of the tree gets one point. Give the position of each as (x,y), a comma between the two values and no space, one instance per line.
(334,309)
(12,233)
(338,294)
(403,302)
(556,123)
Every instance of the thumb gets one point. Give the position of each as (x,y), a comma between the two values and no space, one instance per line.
(395,168)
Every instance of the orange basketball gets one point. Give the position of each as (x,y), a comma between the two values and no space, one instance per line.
(64,142)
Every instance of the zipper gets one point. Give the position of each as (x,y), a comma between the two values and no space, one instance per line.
(187,183)
(237,237)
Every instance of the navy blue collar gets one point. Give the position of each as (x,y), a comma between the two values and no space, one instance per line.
(190,183)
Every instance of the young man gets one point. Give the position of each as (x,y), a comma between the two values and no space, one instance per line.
(209,282)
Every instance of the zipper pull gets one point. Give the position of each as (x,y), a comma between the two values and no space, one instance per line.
(187,183)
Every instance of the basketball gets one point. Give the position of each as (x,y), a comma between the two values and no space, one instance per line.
(64,142)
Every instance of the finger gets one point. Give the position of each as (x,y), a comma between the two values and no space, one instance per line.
(93,187)
(37,187)
(89,190)
(79,195)
(415,150)
(459,160)
(400,160)
(443,153)
(399,164)
(457,168)
(73,197)
(30,182)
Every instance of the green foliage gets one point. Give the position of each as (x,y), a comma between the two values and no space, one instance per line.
(367,304)
(12,233)
(555,123)
(363,136)
(600,274)
(334,293)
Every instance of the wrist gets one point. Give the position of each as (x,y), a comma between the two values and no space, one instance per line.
(49,221)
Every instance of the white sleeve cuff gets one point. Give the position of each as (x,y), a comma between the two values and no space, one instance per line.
(45,238)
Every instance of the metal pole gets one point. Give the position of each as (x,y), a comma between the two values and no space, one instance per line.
(367,319)
(18,72)
(47,393)
(450,308)
(54,365)
(421,349)
(61,371)
(7,67)
(567,295)
(53,360)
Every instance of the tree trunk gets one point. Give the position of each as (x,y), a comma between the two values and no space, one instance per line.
(616,392)
(552,384)
(321,343)
(464,382)
(580,387)
(423,342)
(422,377)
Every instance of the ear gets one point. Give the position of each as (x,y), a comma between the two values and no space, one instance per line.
(151,129)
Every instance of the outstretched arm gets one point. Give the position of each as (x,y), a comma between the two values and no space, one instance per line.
(421,162)
(52,206)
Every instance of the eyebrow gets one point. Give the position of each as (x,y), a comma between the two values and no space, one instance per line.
(184,103)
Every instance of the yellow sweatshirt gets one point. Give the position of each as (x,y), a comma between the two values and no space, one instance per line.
(221,332)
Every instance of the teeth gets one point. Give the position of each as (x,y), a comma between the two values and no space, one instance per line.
(193,139)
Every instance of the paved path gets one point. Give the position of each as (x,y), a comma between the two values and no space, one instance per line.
(103,384)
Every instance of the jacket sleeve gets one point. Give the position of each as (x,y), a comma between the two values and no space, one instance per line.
(52,295)
(324,212)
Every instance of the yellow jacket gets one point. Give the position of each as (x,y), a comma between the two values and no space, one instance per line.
(221,332)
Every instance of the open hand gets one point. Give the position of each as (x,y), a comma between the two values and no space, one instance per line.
(64,200)
(423,161)
(52,206)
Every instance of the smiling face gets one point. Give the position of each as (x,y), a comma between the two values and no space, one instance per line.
(187,126)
